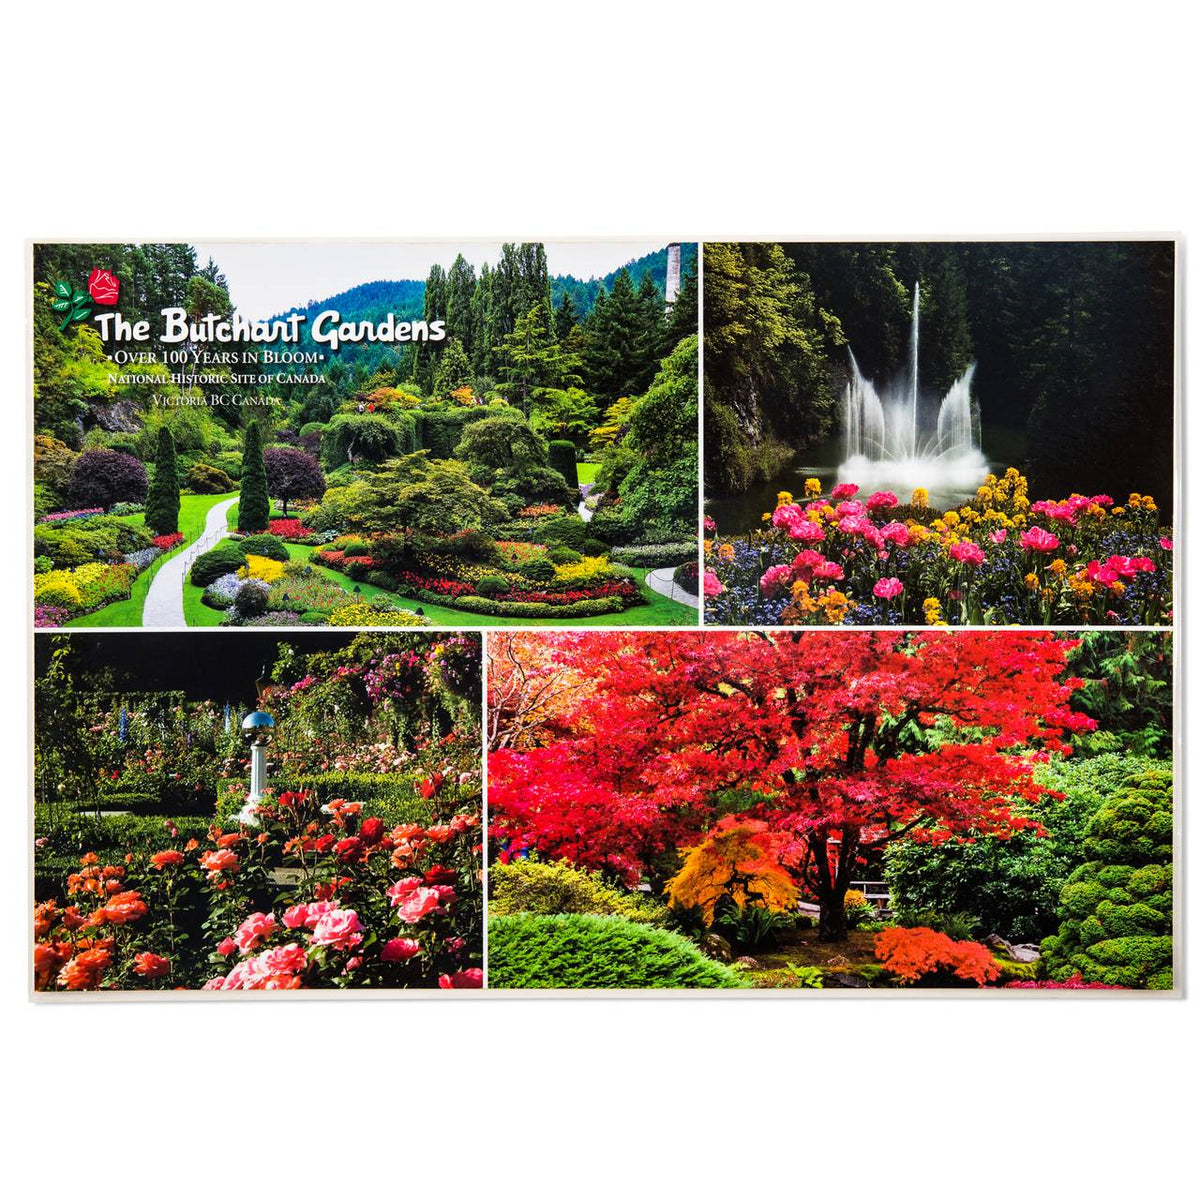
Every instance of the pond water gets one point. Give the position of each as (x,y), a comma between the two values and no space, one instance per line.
(1002,448)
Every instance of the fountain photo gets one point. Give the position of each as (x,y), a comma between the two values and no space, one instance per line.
(258,811)
(939,433)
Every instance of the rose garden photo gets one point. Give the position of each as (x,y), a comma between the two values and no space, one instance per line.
(258,811)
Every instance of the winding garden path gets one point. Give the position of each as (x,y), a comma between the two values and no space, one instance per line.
(164,601)
(663,582)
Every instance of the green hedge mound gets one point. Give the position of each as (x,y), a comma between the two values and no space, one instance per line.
(584,951)
(1117,906)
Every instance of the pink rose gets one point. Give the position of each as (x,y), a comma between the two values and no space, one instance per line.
(284,960)
(712,585)
(882,500)
(472,977)
(340,929)
(844,491)
(403,888)
(888,589)
(253,931)
(104,286)
(774,580)
(418,904)
(400,949)
(227,947)
(896,531)
(828,570)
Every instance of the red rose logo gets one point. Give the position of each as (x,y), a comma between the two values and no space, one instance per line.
(104,286)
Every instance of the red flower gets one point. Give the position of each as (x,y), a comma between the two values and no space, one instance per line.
(371,831)
(472,977)
(103,286)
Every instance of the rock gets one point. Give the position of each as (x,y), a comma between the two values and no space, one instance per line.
(122,416)
(751,964)
(715,946)
(1025,952)
(844,979)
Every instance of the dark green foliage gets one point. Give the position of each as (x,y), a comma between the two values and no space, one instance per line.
(562,460)
(367,437)
(254,505)
(1117,906)
(603,606)
(250,600)
(549,889)
(162,499)
(440,432)
(560,556)
(205,480)
(1010,885)
(1128,691)
(563,531)
(539,570)
(586,951)
(492,585)
(751,927)
(265,545)
(593,547)
(220,560)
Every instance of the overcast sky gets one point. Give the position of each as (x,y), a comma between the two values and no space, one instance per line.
(267,278)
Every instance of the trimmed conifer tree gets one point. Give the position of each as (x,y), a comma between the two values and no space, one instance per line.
(254,505)
(562,460)
(162,500)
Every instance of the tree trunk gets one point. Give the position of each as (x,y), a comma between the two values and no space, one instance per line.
(833,927)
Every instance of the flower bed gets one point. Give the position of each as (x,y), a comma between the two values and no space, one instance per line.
(290,529)
(373,907)
(167,541)
(74,514)
(998,560)
(83,589)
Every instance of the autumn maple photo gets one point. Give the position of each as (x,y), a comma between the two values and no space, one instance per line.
(883,809)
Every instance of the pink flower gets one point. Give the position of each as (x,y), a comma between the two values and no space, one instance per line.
(710,526)
(216,984)
(851,508)
(966,552)
(400,949)
(472,977)
(999,536)
(828,570)
(340,929)
(774,580)
(227,947)
(1039,539)
(284,960)
(888,589)
(805,531)
(882,500)
(295,917)
(844,491)
(253,931)
(419,903)
(403,888)
(896,531)
(712,585)
(1166,543)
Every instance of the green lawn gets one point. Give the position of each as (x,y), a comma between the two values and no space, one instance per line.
(659,611)
(193,512)
(587,471)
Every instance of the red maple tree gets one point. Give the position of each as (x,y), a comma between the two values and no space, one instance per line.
(849,740)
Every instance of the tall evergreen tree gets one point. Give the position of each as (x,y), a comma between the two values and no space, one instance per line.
(162,500)
(454,370)
(566,317)
(254,505)
(460,292)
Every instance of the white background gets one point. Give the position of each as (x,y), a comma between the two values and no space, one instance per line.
(143,121)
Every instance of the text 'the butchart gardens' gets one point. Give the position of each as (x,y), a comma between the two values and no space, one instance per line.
(449,618)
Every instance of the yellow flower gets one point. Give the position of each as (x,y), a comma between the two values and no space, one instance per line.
(708,545)
(951,519)
(1031,582)
(258,567)
(1117,588)
(724,551)
(801,597)
(920,497)
(1119,511)
(766,516)
(812,487)
(783,498)
(1057,567)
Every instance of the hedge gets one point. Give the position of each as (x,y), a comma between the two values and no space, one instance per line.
(585,951)
(220,560)
(600,607)
(668,554)
(439,432)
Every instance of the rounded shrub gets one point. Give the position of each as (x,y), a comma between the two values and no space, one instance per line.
(560,556)
(265,545)
(205,480)
(1117,906)
(578,950)
(552,888)
(492,585)
(221,560)
(251,599)
(594,547)
(564,531)
(540,570)
(101,478)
